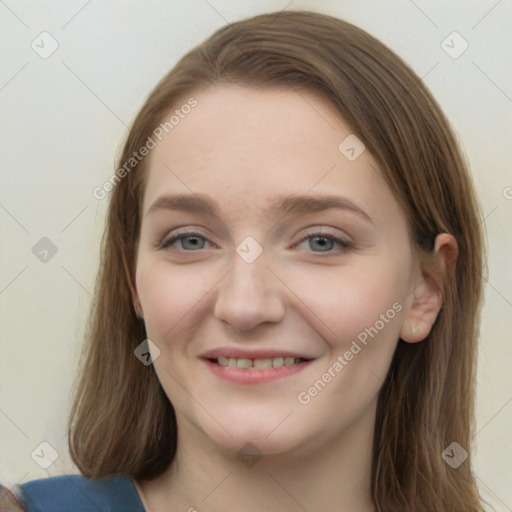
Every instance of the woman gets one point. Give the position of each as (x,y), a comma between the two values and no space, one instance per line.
(287,306)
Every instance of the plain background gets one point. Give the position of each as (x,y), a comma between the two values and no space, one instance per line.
(64,118)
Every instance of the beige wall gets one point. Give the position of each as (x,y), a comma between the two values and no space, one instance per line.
(62,118)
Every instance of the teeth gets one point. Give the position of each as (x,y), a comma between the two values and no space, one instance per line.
(243,363)
(262,364)
(223,361)
(259,364)
(277,362)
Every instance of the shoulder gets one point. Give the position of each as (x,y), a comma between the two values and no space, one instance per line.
(74,492)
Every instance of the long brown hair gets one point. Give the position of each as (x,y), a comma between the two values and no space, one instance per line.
(121,421)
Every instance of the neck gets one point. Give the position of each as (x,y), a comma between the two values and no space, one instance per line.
(327,476)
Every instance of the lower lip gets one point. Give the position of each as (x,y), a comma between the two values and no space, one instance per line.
(241,376)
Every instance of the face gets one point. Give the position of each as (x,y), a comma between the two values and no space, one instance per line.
(236,273)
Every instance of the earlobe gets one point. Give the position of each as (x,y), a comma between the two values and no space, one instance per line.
(428,294)
(422,313)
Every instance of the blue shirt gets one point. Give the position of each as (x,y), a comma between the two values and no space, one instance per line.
(74,493)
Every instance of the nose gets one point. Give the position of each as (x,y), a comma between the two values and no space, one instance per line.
(249,295)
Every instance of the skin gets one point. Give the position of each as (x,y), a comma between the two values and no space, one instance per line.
(242,147)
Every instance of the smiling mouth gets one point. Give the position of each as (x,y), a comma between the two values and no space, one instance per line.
(257,364)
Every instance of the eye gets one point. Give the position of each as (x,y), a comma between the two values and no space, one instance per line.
(319,242)
(190,241)
(323,242)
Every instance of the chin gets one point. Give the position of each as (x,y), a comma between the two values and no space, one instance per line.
(256,438)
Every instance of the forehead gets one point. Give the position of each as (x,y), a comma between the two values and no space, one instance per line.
(244,145)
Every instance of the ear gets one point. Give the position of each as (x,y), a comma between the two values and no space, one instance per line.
(133,290)
(428,293)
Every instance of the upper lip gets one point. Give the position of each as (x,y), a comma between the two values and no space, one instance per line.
(239,353)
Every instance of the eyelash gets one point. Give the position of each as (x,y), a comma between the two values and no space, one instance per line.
(344,244)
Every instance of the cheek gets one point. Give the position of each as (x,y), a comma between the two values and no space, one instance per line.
(171,296)
(358,310)
(345,302)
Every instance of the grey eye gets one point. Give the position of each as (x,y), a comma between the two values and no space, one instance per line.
(321,243)
(192,242)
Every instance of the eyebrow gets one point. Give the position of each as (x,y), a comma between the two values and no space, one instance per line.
(287,205)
